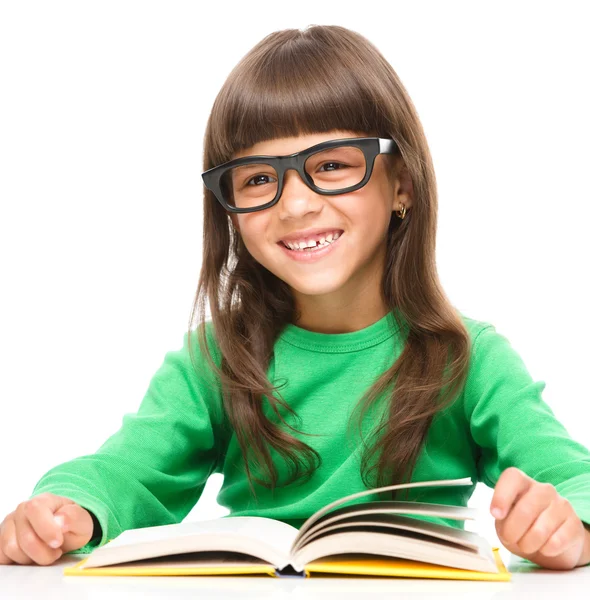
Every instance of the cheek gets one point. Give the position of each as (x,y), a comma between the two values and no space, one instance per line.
(369,217)
(254,232)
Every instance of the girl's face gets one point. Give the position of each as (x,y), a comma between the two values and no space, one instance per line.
(353,267)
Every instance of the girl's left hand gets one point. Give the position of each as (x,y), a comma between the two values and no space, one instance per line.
(536,523)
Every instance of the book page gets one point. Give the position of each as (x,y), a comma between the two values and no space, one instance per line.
(390,507)
(405,545)
(443,482)
(260,528)
(264,538)
(366,519)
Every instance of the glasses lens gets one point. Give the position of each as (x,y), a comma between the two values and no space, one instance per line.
(248,186)
(336,168)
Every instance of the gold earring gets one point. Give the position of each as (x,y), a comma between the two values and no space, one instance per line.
(403,212)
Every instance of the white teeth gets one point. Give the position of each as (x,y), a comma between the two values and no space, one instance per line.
(312,244)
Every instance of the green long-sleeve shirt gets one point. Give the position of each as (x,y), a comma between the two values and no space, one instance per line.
(153,470)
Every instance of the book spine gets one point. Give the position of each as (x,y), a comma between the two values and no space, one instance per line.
(289,571)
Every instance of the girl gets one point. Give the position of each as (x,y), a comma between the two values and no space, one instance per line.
(333,360)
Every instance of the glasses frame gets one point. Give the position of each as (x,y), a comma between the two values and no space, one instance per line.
(371,147)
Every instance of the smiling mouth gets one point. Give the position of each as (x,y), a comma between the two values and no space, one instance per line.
(312,248)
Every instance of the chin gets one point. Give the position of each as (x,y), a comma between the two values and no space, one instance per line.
(315,286)
(316,282)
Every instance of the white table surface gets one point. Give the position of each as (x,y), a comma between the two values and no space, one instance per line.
(49,582)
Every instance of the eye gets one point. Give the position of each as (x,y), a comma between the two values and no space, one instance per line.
(258,177)
(334,163)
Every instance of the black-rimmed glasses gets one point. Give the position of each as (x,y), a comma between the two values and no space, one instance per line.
(332,167)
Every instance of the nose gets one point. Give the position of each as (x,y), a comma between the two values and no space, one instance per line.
(297,198)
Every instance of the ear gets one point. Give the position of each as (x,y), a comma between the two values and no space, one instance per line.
(234,220)
(403,187)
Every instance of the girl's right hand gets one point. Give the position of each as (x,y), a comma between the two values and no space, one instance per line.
(27,533)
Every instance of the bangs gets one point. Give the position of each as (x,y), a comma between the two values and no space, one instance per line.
(300,87)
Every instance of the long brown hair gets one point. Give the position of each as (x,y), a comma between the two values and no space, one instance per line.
(296,82)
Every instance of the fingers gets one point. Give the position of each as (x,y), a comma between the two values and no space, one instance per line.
(4,529)
(27,534)
(23,546)
(78,527)
(511,484)
(525,512)
(544,527)
(39,513)
(27,540)
(537,522)
(10,547)
(563,538)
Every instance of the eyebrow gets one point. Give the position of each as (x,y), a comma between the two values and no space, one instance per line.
(273,155)
(289,153)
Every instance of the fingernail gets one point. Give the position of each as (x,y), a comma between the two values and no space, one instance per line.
(497,512)
(54,544)
(59,520)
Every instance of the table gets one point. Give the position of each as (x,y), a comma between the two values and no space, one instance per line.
(528,581)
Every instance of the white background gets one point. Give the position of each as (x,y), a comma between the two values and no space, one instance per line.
(103,107)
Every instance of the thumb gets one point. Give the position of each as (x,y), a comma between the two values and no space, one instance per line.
(76,526)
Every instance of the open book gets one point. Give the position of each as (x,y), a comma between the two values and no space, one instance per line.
(365,538)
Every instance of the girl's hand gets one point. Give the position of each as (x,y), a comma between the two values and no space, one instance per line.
(536,523)
(26,535)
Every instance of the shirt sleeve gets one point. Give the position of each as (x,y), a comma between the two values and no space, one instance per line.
(153,470)
(513,426)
